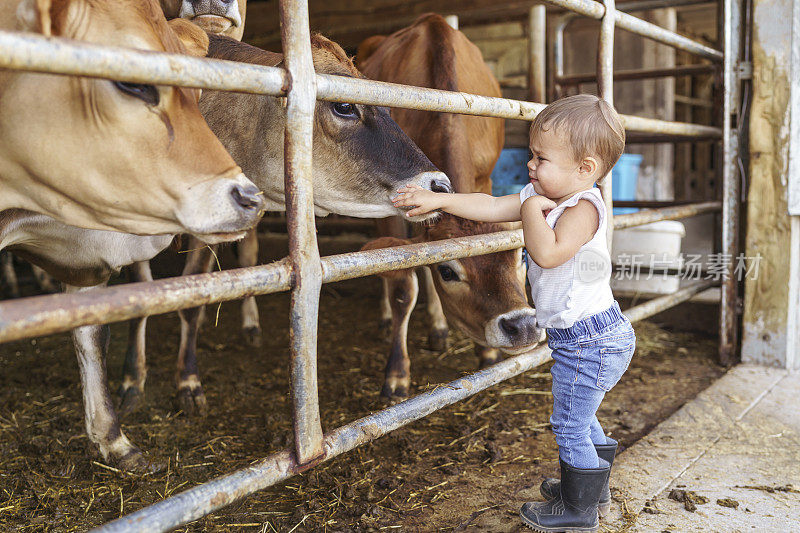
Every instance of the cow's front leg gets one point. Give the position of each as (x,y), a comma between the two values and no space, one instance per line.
(191,398)
(134,370)
(396,228)
(437,334)
(248,256)
(102,425)
(44,280)
(488,356)
(403,288)
(9,275)
(385,324)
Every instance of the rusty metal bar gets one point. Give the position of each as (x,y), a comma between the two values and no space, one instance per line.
(650,204)
(53,313)
(640,74)
(595,10)
(537,49)
(36,53)
(605,85)
(662,303)
(646,5)
(303,249)
(358,91)
(730,192)
(213,495)
(647,216)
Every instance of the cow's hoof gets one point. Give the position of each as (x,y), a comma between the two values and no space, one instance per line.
(437,340)
(135,462)
(252,336)
(130,399)
(393,396)
(192,401)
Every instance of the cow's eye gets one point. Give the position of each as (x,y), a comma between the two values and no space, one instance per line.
(146,93)
(447,273)
(345,110)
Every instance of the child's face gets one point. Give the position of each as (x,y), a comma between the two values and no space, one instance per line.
(552,169)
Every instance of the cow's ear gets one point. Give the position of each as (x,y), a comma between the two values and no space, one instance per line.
(35,16)
(367,48)
(192,36)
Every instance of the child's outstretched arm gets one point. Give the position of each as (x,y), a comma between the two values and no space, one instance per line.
(549,247)
(474,206)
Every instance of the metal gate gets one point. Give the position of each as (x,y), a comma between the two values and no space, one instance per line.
(303,272)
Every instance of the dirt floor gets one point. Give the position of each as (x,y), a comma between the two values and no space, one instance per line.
(461,469)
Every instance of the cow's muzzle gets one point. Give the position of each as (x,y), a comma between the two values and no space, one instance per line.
(514,332)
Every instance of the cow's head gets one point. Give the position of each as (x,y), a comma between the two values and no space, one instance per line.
(225,17)
(118,156)
(360,155)
(484,296)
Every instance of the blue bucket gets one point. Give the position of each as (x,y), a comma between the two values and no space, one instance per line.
(624,176)
(510,174)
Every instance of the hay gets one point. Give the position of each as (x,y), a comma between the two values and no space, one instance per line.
(436,473)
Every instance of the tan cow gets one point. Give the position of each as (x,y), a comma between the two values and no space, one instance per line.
(483,296)
(109,155)
(223,17)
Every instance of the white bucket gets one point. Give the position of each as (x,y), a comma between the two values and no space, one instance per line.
(655,246)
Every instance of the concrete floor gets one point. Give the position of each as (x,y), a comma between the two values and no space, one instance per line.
(738,440)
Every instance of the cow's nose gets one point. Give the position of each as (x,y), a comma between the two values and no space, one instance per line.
(247,197)
(519,328)
(441,185)
(510,326)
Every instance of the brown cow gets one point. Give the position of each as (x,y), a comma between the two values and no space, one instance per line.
(484,297)
(359,153)
(110,155)
(222,17)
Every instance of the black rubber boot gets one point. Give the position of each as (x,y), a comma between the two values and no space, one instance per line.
(575,507)
(551,486)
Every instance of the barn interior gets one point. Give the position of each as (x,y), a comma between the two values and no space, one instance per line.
(479,454)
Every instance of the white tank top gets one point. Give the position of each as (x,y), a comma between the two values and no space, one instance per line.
(580,287)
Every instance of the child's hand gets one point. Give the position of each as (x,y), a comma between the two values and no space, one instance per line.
(420,200)
(537,204)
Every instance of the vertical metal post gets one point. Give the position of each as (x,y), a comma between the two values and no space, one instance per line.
(537,46)
(605,85)
(303,250)
(730,190)
(558,53)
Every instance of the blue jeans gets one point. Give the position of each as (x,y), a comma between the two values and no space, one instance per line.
(589,359)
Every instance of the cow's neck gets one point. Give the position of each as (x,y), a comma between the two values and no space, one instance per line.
(73,255)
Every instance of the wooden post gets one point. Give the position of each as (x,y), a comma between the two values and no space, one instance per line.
(771,322)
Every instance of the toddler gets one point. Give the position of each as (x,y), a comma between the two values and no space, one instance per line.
(574,142)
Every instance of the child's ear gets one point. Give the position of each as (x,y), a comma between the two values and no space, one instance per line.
(589,165)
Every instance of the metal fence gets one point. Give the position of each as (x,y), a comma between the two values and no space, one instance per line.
(303,272)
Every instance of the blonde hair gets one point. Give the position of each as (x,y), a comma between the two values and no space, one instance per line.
(591,126)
